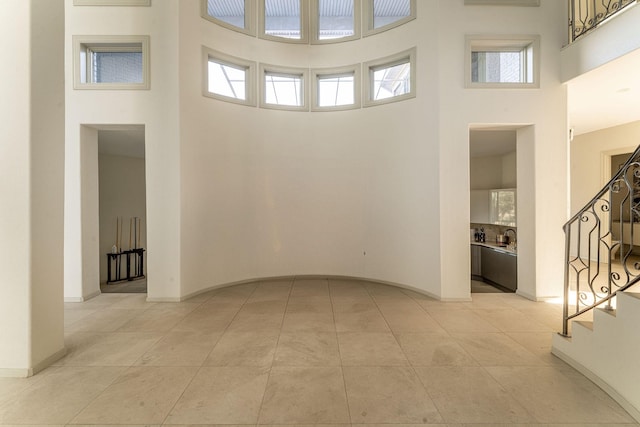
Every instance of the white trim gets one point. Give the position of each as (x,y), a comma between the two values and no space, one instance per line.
(118,42)
(408,56)
(368,18)
(249,18)
(303,73)
(304,24)
(530,3)
(521,42)
(250,76)
(315,24)
(318,73)
(112,2)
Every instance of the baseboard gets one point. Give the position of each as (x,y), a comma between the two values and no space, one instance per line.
(29,372)
(621,400)
(82,299)
(306,276)
(15,373)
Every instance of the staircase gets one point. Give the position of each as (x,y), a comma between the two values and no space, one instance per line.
(607,350)
(601,313)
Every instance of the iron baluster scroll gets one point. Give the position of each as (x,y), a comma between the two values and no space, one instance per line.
(599,259)
(586,15)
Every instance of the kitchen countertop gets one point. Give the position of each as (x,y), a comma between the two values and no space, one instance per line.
(494,246)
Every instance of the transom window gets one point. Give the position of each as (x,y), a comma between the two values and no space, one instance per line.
(111,62)
(284,19)
(283,88)
(336,89)
(301,21)
(234,14)
(503,62)
(229,78)
(336,20)
(391,79)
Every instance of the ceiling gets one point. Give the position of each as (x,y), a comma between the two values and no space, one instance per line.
(491,142)
(607,96)
(127,141)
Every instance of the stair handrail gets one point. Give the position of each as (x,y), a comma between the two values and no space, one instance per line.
(583,258)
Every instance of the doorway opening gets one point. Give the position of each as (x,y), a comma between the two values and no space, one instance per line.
(493,220)
(122,209)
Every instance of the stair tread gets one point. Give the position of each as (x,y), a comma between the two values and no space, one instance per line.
(612,312)
(585,324)
(632,294)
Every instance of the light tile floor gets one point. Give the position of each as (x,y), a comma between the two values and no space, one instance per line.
(309,352)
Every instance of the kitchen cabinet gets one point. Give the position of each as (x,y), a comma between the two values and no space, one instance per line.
(500,268)
(476,261)
(479,206)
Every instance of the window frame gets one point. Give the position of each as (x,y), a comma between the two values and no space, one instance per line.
(528,3)
(249,18)
(304,24)
(83,43)
(303,73)
(505,43)
(407,56)
(232,61)
(318,73)
(112,2)
(368,18)
(315,24)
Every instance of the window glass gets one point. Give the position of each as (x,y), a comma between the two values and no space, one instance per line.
(282,18)
(230,11)
(336,90)
(335,18)
(116,67)
(499,67)
(283,89)
(391,81)
(386,12)
(227,80)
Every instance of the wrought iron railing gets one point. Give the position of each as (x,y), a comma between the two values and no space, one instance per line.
(604,229)
(586,15)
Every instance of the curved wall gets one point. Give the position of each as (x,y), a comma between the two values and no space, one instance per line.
(277,193)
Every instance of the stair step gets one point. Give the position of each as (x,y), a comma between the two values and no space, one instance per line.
(584,323)
(612,312)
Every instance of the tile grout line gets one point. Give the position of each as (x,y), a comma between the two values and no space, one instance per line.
(344,381)
(275,350)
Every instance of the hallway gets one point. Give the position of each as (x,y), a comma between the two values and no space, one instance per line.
(311,351)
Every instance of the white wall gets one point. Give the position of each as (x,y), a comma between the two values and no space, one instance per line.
(380,192)
(306,193)
(490,172)
(590,151)
(541,173)
(157,110)
(31,178)
(122,194)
